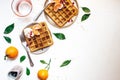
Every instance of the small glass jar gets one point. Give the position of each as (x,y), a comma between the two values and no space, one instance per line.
(15,73)
(21,8)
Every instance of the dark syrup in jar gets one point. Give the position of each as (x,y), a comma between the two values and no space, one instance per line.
(13,74)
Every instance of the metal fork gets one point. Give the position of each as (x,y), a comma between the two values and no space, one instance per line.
(23,42)
(41,11)
(24,45)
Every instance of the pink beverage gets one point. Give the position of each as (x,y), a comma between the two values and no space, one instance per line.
(21,8)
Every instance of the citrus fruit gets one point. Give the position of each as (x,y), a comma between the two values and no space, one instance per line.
(57,6)
(11,52)
(42,74)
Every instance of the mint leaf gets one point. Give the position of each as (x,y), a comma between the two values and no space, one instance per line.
(9,29)
(43,62)
(85,9)
(60,36)
(65,63)
(27,71)
(84,17)
(22,58)
(8,39)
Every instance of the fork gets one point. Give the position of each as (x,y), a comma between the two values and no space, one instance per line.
(23,39)
(24,45)
(40,12)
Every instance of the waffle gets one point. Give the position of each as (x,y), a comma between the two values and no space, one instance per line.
(62,16)
(41,39)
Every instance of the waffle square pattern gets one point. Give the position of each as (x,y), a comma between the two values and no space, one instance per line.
(38,36)
(62,16)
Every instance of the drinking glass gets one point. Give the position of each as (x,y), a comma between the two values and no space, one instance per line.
(21,8)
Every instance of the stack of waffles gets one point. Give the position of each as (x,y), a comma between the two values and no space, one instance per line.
(63,15)
(38,36)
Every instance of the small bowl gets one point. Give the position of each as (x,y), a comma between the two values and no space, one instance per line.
(15,73)
(21,8)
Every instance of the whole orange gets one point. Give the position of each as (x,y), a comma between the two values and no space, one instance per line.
(42,74)
(11,52)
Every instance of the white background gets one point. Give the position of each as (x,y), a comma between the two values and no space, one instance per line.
(92,45)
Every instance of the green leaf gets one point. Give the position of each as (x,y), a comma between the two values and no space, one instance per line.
(27,71)
(22,58)
(85,9)
(8,39)
(65,63)
(9,29)
(43,62)
(84,17)
(60,36)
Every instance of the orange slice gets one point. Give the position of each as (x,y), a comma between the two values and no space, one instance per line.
(35,29)
(57,6)
(56,1)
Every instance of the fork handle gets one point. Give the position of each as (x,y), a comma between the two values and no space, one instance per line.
(38,15)
(30,60)
(40,12)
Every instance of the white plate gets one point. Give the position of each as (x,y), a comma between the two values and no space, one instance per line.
(68,23)
(35,52)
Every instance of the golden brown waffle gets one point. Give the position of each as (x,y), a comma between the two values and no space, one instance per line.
(41,39)
(62,16)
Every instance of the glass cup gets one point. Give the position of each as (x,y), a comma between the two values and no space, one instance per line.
(21,8)
(15,73)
